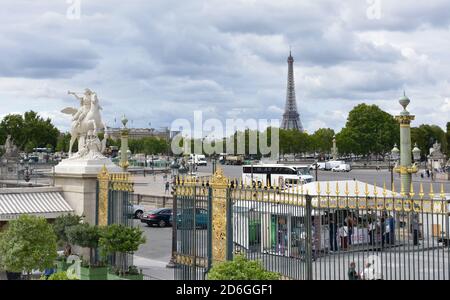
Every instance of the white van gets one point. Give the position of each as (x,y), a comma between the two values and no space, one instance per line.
(329,165)
(342,168)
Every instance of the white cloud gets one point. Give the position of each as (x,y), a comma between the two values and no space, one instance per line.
(160,60)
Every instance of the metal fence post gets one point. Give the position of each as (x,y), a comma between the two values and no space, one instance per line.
(219,186)
(308,228)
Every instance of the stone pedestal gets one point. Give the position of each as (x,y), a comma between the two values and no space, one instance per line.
(78,179)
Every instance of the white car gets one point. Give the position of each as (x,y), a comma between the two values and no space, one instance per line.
(342,168)
(136,211)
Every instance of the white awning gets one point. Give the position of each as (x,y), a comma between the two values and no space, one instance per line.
(44,203)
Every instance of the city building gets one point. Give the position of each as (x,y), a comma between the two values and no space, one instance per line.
(139,133)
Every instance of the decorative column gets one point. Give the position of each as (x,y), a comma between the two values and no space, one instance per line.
(406,168)
(124,145)
(334,150)
(221,234)
(103,197)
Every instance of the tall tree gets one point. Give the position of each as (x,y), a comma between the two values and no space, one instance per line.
(369,130)
(426,135)
(322,140)
(29,131)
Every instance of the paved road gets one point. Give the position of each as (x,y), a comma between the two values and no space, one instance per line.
(154,255)
(369,176)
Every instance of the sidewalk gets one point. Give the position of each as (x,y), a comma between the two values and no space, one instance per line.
(154,269)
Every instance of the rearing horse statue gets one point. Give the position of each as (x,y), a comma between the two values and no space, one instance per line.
(91,121)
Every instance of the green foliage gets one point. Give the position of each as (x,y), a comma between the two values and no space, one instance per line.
(61,225)
(448,138)
(369,130)
(28,131)
(322,140)
(426,135)
(120,238)
(83,235)
(240,269)
(148,145)
(28,243)
(57,276)
(63,143)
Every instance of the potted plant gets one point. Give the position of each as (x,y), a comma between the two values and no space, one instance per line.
(27,244)
(121,240)
(87,236)
(60,227)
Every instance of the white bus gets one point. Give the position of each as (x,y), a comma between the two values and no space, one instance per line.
(280,175)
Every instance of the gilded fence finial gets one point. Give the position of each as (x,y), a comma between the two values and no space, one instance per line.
(431,193)
(411,190)
(346,191)
(375,191)
(337,188)
(393,190)
(421,193)
(356,188)
(384,188)
(366,189)
(318,188)
(328,192)
(402,189)
(442,191)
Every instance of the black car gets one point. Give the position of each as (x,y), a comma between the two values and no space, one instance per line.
(160,217)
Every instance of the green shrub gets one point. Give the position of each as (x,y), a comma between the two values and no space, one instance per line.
(122,240)
(57,276)
(241,269)
(28,243)
(84,235)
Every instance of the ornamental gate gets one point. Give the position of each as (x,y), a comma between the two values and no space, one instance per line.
(114,204)
(322,230)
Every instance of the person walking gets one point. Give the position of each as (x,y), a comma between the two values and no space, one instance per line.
(333,234)
(349,222)
(167,187)
(415,229)
(351,273)
(372,230)
(343,234)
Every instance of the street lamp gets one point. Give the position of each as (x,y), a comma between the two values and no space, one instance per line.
(395,154)
(416,153)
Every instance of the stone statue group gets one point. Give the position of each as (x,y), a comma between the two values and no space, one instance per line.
(86,124)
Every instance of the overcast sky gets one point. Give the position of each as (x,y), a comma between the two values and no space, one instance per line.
(158,60)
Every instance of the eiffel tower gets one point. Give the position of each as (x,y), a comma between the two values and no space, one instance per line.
(291,118)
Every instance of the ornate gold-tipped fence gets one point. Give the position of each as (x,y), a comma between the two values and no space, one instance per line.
(111,187)
(314,231)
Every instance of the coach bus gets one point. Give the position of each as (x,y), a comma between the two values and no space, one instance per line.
(280,175)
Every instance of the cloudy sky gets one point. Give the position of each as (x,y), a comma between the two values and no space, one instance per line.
(159,60)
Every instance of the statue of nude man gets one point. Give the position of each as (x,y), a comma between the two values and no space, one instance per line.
(85,102)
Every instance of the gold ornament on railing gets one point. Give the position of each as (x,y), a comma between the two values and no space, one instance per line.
(431,193)
(421,193)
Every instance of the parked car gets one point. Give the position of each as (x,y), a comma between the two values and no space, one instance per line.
(160,217)
(185,218)
(135,211)
(342,168)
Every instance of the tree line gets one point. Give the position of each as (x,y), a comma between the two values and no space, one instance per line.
(368,131)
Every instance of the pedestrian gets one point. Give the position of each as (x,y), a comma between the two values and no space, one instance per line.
(372,230)
(352,274)
(383,231)
(368,273)
(349,221)
(415,229)
(333,234)
(343,234)
(167,187)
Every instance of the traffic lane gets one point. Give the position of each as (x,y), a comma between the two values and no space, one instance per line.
(364,175)
(158,244)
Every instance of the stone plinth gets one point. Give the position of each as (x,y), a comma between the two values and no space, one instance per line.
(78,180)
